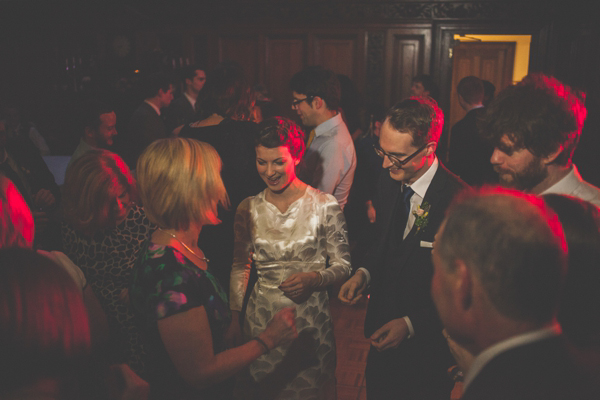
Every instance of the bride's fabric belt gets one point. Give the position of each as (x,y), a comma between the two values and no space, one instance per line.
(272,274)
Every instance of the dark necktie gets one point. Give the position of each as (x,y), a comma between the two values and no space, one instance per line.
(404,211)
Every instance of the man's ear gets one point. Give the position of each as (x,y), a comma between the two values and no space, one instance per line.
(464,286)
(318,103)
(550,158)
(430,149)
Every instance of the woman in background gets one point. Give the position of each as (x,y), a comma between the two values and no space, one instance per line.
(103,234)
(290,231)
(180,306)
(228,108)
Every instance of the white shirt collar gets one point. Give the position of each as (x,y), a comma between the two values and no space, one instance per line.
(191,100)
(421,185)
(329,124)
(493,351)
(567,184)
(153,106)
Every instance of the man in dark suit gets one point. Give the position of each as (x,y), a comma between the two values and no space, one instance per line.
(499,261)
(469,153)
(408,356)
(186,108)
(146,124)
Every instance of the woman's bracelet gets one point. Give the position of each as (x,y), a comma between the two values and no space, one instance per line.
(262,343)
(320,279)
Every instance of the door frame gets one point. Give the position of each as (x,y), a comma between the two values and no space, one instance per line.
(443,35)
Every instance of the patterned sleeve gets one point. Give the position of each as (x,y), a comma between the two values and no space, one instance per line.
(242,255)
(168,286)
(338,249)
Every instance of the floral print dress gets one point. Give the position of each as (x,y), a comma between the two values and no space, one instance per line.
(166,283)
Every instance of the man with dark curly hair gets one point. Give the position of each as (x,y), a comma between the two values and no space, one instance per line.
(535,127)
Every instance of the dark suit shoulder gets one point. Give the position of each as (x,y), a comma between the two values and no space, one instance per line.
(446,183)
(541,370)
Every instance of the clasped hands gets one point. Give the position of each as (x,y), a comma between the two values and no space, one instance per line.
(298,287)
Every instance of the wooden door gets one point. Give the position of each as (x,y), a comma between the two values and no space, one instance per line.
(491,61)
(407,55)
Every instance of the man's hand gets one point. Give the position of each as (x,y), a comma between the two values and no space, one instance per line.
(371,213)
(44,199)
(351,291)
(390,335)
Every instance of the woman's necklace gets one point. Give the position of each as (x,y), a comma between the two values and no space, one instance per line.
(206,260)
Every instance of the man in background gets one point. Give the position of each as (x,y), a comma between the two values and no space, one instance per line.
(534,127)
(500,260)
(99,123)
(186,108)
(469,153)
(330,159)
(146,124)
(424,86)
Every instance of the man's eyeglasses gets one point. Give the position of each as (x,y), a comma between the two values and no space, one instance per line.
(397,162)
(296,102)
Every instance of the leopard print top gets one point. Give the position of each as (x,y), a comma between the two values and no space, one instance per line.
(107,260)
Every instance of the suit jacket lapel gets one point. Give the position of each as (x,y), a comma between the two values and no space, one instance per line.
(393,214)
(432,196)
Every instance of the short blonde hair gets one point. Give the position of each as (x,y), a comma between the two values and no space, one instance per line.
(180,183)
(91,188)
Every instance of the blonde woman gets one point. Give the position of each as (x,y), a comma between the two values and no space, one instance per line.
(182,309)
(103,233)
(290,231)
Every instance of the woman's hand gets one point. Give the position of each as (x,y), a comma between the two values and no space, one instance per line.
(300,286)
(281,329)
(233,336)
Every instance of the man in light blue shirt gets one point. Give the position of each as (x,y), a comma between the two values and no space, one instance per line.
(330,159)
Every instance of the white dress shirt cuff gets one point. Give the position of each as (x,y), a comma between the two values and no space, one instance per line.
(411,330)
(367,274)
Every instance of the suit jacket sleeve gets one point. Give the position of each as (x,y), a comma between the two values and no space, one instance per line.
(385,198)
(423,315)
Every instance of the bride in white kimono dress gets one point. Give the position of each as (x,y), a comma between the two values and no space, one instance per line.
(291,231)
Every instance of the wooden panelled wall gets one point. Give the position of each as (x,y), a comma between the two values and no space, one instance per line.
(381,62)
(272,58)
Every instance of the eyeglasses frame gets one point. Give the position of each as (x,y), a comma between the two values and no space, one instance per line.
(296,102)
(396,162)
